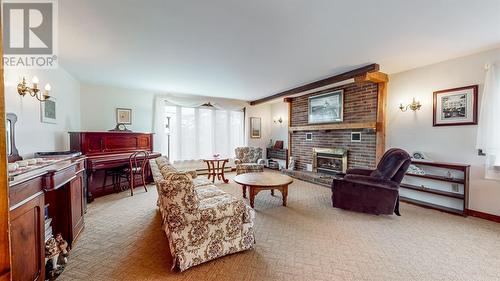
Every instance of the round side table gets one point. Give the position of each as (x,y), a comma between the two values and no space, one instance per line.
(216,168)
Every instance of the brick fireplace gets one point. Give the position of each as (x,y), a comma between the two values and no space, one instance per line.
(360,106)
(329,160)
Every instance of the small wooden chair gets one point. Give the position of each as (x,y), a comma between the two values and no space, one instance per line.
(137,166)
(116,174)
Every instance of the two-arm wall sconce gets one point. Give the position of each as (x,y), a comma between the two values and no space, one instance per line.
(279,120)
(34,91)
(414,105)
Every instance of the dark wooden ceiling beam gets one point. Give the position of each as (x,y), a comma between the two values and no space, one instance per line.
(374,77)
(321,83)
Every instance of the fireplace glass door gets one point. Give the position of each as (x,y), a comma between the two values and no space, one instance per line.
(326,164)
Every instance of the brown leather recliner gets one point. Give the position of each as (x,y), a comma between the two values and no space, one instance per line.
(373,191)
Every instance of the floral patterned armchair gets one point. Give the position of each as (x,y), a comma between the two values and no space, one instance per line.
(248,160)
(202,222)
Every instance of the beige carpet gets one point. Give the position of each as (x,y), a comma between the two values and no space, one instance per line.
(308,240)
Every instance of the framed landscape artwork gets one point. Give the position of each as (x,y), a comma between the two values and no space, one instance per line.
(124,116)
(255,129)
(326,108)
(48,111)
(456,106)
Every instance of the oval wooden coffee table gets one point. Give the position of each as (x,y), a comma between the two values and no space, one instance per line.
(257,182)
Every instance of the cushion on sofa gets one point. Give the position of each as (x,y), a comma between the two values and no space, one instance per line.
(162,161)
(201,181)
(167,169)
(208,191)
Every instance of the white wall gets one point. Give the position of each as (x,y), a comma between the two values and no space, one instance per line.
(31,134)
(99,103)
(413,131)
(264,112)
(279,131)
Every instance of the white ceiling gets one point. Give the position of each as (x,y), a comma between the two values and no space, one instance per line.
(252,49)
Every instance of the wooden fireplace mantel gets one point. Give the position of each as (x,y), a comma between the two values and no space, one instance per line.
(335,126)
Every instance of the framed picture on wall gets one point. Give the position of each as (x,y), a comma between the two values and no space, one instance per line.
(278,144)
(326,108)
(255,127)
(48,111)
(456,106)
(124,116)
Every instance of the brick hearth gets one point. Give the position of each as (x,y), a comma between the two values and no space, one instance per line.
(318,178)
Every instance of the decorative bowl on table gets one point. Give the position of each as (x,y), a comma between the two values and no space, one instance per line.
(216,155)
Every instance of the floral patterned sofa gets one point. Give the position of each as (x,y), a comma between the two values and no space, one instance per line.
(248,160)
(201,221)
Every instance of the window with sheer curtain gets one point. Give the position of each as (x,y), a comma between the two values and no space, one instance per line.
(200,132)
(488,134)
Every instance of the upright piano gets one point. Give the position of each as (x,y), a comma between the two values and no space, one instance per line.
(107,150)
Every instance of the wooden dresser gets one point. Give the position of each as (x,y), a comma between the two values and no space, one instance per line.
(58,184)
(108,150)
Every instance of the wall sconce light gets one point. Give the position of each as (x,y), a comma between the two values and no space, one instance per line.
(34,91)
(414,105)
(279,120)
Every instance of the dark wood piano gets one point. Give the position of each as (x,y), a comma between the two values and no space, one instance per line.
(107,150)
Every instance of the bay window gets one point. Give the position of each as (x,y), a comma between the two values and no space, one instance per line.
(200,132)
